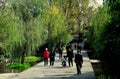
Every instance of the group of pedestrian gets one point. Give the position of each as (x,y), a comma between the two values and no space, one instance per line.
(47,54)
(70,55)
(51,55)
(78,57)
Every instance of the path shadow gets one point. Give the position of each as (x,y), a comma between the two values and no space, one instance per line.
(86,75)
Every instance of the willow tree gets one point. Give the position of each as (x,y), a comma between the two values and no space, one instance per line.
(58,31)
(30,12)
(11,33)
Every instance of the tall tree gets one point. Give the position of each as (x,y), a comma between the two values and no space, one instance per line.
(107,37)
(78,14)
(56,25)
(31,14)
(11,30)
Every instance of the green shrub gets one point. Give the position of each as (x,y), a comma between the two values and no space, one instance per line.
(30,59)
(103,77)
(18,66)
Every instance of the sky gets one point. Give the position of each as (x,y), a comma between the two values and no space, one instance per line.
(97,3)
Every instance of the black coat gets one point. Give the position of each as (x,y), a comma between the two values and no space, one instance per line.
(70,54)
(52,55)
(78,59)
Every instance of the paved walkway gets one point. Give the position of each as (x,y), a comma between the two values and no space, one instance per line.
(40,71)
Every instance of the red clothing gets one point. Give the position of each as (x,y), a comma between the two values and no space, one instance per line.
(46,54)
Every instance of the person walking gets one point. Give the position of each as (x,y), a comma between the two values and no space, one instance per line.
(67,50)
(70,57)
(46,54)
(52,57)
(78,61)
(60,51)
(79,47)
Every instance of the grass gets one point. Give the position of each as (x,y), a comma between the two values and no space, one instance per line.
(102,76)
(29,61)
(18,66)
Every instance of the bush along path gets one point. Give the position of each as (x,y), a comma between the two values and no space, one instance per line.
(40,71)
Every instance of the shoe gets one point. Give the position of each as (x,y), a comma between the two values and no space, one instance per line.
(80,72)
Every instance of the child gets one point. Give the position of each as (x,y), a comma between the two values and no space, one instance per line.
(64,62)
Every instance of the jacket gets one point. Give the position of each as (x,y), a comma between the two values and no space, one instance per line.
(78,59)
(46,54)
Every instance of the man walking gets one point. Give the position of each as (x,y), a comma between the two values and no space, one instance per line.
(52,57)
(70,57)
(78,61)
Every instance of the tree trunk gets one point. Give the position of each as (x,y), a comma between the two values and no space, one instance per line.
(23,55)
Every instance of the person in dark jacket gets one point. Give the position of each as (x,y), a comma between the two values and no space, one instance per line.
(70,57)
(60,51)
(67,49)
(78,61)
(52,57)
(79,47)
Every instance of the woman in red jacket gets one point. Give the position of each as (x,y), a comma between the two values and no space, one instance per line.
(46,56)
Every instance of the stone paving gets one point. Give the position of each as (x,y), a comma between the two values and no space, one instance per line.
(39,71)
